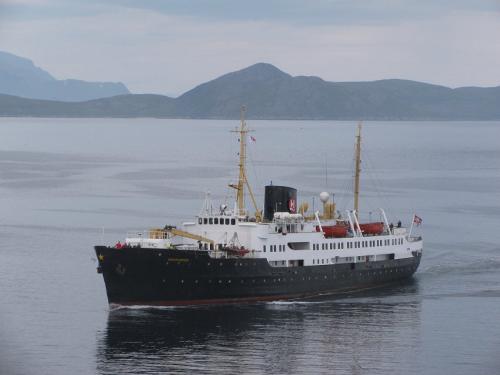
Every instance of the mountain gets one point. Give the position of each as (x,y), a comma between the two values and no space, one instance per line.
(20,77)
(143,105)
(270,93)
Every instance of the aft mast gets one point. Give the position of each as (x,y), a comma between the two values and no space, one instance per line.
(242,179)
(357,170)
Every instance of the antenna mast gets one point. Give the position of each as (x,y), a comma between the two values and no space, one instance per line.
(242,179)
(357,169)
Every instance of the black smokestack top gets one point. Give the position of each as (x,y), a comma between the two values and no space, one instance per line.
(279,199)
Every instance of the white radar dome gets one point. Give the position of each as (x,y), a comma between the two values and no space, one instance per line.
(324,196)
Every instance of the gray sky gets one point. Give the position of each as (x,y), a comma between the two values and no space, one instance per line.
(169,46)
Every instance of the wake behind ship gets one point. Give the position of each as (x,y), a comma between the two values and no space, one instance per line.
(229,255)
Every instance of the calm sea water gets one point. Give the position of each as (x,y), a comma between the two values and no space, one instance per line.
(68,184)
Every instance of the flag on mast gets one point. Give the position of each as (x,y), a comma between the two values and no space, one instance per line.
(417,220)
(253,139)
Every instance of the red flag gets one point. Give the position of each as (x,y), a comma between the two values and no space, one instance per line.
(417,220)
(253,139)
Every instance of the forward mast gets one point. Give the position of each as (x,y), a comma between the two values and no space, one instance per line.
(242,179)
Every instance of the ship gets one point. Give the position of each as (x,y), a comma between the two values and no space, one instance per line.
(280,252)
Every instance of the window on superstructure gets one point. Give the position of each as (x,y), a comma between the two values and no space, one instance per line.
(210,220)
(221,221)
(205,220)
(264,248)
(334,246)
(233,221)
(216,220)
(200,220)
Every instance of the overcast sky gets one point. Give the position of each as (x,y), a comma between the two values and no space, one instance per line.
(169,46)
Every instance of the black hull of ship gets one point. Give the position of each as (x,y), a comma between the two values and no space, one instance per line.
(165,277)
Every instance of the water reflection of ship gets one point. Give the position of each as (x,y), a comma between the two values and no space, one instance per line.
(262,338)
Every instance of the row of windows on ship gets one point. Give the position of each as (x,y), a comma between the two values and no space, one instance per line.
(217,220)
(340,245)
(335,260)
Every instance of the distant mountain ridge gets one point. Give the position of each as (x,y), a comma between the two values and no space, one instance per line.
(270,93)
(20,77)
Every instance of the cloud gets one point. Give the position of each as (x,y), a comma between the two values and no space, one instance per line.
(170,52)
